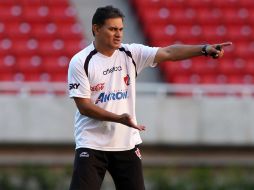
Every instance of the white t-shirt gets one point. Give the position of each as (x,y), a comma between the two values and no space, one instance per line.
(110,83)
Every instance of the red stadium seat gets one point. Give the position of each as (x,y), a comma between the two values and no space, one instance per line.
(36,13)
(59,77)
(186,79)
(49,47)
(214,79)
(63,14)
(233,66)
(25,46)
(209,16)
(57,3)
(7,76)
(226,3)
(212,33)
(5,45)
(183,16)
(240,33)
(31,2)
(202,21)
(56,64)
(10,12)
(29,64)
(33,29)
(247,3)
(240,79)
(250,66)
(7,63)
(70,31)
(178,67)
(200,3)
(44,31)
(16,29)
(244,49)
(73,46)
(204,66)
(235,15)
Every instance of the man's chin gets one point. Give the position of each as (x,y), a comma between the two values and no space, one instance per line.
(117,46)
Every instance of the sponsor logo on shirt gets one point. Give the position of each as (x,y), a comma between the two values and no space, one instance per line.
(112,96)
(113,69)
(73,86)
(97,87)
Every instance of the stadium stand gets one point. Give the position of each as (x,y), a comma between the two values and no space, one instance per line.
(37,39)
(202,21)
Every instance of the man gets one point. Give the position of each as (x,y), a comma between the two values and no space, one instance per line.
(101,81)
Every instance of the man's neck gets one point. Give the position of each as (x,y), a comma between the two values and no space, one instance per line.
(103,50)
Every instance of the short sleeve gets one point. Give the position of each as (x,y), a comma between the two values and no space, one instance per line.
(77,80)
(143,56)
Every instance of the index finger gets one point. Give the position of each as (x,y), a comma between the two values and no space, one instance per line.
(226,44)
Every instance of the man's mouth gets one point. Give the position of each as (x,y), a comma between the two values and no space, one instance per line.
(117,40)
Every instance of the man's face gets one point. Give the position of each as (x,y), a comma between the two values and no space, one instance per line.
(110,34)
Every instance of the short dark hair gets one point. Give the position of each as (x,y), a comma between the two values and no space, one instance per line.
(103,13)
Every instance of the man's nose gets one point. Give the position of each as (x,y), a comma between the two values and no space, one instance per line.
(118,33)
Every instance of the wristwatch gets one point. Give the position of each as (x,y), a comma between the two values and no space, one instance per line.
(203,51)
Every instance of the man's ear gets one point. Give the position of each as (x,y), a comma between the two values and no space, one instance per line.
(95,28)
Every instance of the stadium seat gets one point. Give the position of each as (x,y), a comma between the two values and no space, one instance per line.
(33,29)
(25,46)
(235,15)
(63,14)
(44,31)
(17,29)
(49,47)
(56,64)
(226,3)
(10,12)
(178,67)
(7,64)
(70,31)
(209,16)
(31,2)
(240,33)
(73,46)
(202,22)
(5,45)
(202,66)
(250,66)
(29,64)
(232,66)
(247,3)
(36,13)
(186,79)
(211,33)
(57,2)
(200,3)
(244,49)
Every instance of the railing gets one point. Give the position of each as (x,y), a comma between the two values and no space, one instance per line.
(61,88)
(33,88)
(196,90)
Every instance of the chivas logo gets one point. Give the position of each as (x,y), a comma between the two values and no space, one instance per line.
(137,151)
(127,80)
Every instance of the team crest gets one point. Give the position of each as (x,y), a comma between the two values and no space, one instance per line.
(137,151)
(127,80)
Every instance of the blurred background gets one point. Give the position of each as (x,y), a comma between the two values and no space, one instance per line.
(199,113)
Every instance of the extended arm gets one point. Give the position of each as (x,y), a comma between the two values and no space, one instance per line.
(179,52)
(88,108)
